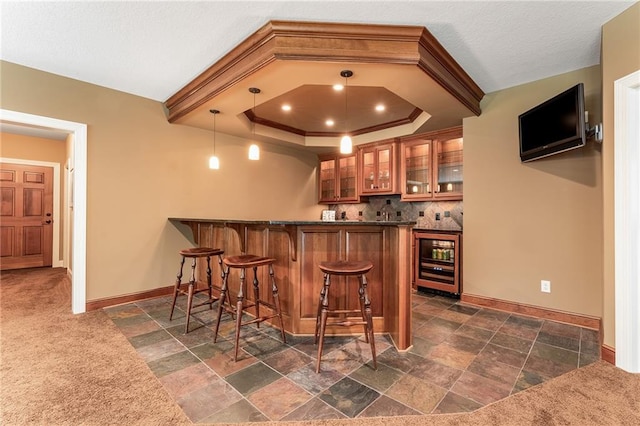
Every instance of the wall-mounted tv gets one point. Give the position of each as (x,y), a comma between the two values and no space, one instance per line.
(554,126)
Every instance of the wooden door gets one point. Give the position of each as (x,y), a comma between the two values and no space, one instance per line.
(26,216)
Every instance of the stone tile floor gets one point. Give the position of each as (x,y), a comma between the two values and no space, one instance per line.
(463,357)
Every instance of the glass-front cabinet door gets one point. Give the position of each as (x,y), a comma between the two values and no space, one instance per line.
(450,167)
(348,179)
(418,171)
(327,180)
(338,180)
(431,166)
(377,169)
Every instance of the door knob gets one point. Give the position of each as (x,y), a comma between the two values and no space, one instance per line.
(47,221)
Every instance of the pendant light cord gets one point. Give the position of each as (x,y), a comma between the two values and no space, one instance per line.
(214,134)
(346,107)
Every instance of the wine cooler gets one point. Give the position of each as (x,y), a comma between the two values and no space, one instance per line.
(437,263)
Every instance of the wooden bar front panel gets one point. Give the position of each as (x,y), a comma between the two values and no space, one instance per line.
(298,250)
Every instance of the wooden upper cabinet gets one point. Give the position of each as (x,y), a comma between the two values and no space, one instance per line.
(338,179)
(431,166)
(378,169)
(417,169)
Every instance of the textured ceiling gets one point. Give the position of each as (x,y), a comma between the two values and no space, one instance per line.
(153,49)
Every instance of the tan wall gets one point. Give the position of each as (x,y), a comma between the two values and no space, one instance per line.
(526,222)
(39,149)
(142,170)
(620,57)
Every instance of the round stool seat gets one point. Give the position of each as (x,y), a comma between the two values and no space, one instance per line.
(247,261)
(200,252)
(346,267)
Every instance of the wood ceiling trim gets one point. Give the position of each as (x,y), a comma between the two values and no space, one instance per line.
(439,65)
(382,126)
(327,42)
(450,133)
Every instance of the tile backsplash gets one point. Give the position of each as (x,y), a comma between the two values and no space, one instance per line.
(379,207)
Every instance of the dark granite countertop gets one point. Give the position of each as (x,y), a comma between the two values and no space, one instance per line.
(296,222)
(439,230)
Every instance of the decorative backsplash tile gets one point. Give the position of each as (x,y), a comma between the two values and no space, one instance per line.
(391,207)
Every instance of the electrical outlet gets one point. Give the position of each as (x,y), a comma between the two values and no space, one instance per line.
(447,213)
(437,216)
(545,286)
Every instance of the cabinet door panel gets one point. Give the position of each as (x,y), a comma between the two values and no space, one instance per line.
(431,166)
(317,246)
(327,180)
(348,179)
(450,167)
(368,171)
(338,179)
(377,166)
(417,169)
(367,245)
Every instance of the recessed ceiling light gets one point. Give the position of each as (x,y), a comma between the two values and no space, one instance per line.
(379,107)
(286,107)
(329,122)
(338,87)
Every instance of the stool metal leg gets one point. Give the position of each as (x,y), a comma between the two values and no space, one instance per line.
(176,288)
(276,301)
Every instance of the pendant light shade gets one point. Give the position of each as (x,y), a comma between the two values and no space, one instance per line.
(346,146)
(214,162)
(254,149)
(254,152)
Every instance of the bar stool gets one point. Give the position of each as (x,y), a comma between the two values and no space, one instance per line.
(195,254)
(243,262)
(345,268)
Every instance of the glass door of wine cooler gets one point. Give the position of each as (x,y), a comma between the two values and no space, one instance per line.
(437,262)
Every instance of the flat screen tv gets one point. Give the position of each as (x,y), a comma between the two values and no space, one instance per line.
(554,126)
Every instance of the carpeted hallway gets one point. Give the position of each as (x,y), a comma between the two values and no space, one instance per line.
(59,368)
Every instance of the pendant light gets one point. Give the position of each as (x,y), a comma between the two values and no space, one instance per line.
(346,146)
(254,149)
(214,162)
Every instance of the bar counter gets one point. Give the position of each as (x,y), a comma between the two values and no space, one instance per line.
(298,247)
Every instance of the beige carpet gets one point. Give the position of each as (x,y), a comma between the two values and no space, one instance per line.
(62,369)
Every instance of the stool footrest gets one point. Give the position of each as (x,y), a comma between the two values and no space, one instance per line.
(345,311)
(260,319)
(346,323)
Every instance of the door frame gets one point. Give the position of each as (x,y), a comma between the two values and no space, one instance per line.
(56,261)
(78,134)
(627,224)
